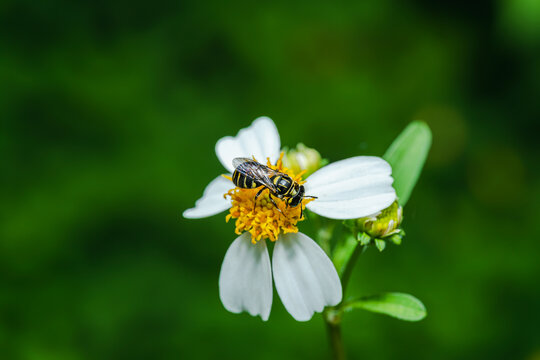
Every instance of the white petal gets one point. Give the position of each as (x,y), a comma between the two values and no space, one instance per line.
(351,188)
(306,280)
(212,202)
(245,280)
(260,139)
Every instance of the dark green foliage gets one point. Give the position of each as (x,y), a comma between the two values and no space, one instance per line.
(110,114)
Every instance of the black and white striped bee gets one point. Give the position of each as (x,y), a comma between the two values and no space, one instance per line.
(250,174)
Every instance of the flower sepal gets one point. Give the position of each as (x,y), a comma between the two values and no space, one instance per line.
(397,238)
(365,239)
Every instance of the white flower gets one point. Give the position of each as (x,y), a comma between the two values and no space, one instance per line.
(305,278)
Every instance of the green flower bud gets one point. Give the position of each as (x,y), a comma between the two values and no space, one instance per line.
(303,158)
(384,224)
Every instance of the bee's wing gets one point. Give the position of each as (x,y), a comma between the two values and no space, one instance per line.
(256,171)
(239,160)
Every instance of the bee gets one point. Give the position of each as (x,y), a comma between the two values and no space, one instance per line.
(250,174)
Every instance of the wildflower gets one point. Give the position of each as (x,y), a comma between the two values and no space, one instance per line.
(305,278)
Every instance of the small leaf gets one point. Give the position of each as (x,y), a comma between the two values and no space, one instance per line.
(399,305)
(407,155)
(380,244)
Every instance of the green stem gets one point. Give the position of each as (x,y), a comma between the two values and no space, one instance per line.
(350,266)
(332,316)
(333,328)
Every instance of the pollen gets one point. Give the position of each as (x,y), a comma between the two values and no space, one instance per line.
(261,218)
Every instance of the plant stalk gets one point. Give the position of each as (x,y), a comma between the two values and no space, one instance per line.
(350,266)
(333,329)
(332,316)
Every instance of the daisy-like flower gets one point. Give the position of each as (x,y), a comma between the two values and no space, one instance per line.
(305,278)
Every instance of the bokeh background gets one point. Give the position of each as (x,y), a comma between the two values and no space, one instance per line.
(110,113)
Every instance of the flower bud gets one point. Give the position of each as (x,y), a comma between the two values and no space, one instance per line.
(384,224)
(303,158)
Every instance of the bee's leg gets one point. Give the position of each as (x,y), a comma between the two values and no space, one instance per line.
(301,211)
(273,202)
(257,196)
(311,196)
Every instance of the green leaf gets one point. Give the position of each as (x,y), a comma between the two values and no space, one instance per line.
(399,305)
(407,155)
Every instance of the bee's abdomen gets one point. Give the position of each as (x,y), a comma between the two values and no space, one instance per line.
(283,184)
(243,181)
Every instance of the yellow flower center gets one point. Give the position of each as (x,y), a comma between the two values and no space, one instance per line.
(261,218)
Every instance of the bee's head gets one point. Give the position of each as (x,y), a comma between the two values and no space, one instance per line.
(293,201)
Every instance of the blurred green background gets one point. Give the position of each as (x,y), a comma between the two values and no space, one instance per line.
(110,113)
